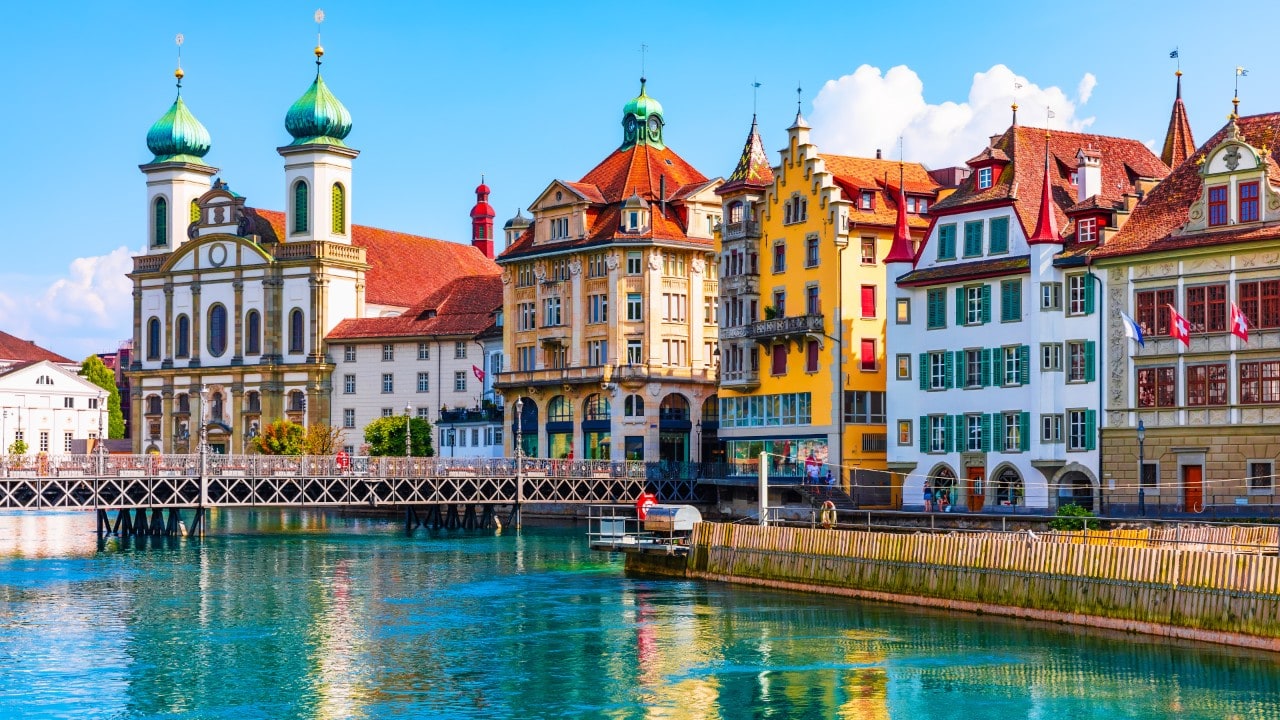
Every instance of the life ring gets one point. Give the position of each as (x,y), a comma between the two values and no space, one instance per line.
(828,514)
(643,503)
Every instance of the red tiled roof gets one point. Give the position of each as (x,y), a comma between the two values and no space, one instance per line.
(1178,143)
(403,267)
(1155,223)
(961,272)
(465,306)
(16,350)
(640,170)
(853,175)
(1021,181)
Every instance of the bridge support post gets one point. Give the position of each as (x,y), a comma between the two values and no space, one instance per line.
(140,522)
(104,523)
(763,489)
(197,523)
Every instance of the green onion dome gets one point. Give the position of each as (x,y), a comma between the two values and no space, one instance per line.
(178,136)
(318,118)
(642,105)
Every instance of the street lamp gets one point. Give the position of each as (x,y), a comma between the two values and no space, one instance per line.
(102,433)
(407,433)
(519,414)
(1142,466)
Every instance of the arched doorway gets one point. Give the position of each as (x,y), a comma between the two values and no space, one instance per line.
(673,428)
(1007,488)
(942,482)
(524,426)
(1075,487)
(597,425)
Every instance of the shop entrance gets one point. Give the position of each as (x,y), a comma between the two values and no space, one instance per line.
(977,488)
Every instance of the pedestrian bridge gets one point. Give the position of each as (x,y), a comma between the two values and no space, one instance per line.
(139,482)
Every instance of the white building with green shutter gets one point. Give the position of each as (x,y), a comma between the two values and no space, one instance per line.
(994,392)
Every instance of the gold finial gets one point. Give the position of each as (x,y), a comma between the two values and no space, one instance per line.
(319,51)
(1178,73)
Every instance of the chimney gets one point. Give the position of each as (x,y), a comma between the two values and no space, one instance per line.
(1088,173)
(662,194)
(877,153)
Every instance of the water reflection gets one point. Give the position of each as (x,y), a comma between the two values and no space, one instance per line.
(314,615)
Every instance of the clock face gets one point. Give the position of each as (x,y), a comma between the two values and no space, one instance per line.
(629,125)
(655,128)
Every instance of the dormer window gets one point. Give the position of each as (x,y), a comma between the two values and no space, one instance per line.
(984,178)
(635,214)
(1249,201)
(867,200)
(1218,205)
(559,228)
(1087,230)
(633,220)
(1075,178)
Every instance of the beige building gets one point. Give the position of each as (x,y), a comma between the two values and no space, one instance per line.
(610,305)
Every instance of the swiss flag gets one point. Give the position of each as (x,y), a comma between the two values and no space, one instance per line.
(1239,323)
(1179,328)
(478,373)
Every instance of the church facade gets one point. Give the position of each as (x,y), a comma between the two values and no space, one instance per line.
(232,304)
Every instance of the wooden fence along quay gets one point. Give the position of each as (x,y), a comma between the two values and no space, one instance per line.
(1221,590)
(149,492)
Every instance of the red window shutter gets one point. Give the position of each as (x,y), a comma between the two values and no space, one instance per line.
(811,356)
(868,355)
(868,301)
(779,359)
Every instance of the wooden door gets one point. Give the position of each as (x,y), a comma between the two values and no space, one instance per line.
(1192,488)
(977,488)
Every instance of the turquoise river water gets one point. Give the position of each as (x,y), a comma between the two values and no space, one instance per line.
(312,615)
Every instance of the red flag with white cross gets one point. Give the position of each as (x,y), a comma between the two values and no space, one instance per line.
(1179,328)
(478,373)
(1239,323)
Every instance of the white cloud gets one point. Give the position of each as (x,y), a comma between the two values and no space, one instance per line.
(858,113)
(1085,90)
(90,309)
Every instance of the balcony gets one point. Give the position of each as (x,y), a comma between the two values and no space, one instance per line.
(148,263)
(550,377)
(741,380)
(747,229)
(318,250)
(634,376)
(784,328)
(471,415)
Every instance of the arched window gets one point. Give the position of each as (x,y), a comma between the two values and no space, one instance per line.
(195,211)
(297,401)
(711,409)
(673,407)
(217,330)
(182,337)
(300,206)
(559,410)
(160,237)
(633,406)
(597,407)
(253,333)
(296,335)
(153,405)
(1008,488)
(153,339)
(184,403)
(253,401)
(339,209)
(215,407)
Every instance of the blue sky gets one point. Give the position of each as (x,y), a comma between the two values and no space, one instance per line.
(441,94)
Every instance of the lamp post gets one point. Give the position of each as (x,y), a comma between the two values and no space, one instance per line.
(1142,466)
(519,465)
(408,432)
(204,447)
(101,447)
(519,417)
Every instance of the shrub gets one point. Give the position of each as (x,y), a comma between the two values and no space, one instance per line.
(1072,517)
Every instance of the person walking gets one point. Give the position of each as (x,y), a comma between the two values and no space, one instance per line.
(928,496)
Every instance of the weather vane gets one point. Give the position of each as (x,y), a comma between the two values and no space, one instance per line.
(319,48)
(178,73)
(798,96)
(755,92)
(643,49)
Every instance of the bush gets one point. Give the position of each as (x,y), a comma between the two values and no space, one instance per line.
(1072,517)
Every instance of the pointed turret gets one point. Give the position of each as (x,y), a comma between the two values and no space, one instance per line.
(900,251)
(753,169)
(482,215)
(1047,222)
(1178,142)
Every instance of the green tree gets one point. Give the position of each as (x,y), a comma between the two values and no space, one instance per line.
(385,436)
(95,371)
(322,440)
(282,437)
(18,447)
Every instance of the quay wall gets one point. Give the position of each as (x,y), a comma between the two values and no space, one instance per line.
(1198,594)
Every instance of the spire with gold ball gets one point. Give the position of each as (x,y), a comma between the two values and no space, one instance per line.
(318,118)
(178,136)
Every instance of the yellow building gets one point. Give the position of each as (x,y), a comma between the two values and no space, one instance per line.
(803,308)
(609,297)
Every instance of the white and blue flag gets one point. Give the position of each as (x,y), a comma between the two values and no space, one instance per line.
(1132,330)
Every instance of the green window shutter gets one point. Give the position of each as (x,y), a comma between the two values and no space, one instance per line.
(924,433)
(986,432)
(1011,300)
(986,304)
(946,242)
(948,380)
(997,366)
(924,371)
(162,223)
(1024,424)
(1090,429)
(960,318)
(1090,372)
(961,379)
(997,432)
(1024,365)
(999,235)
(948,437)
(986,367)
(300,206)
(962,434)
(1088,294)
(973,238)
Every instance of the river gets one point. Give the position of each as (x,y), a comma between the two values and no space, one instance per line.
(314,615)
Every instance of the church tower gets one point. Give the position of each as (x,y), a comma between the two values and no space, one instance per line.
(317,166)
(482,221)
(176,176)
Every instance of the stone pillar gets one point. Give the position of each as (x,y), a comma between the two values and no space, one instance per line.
(576,307)
(166,419)
(196,317)
(167,357)
(696,314)
(235,418)
(139,350)
(237,357)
